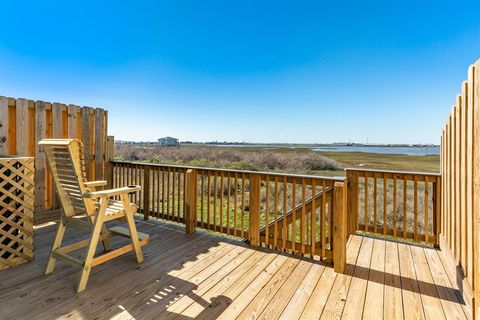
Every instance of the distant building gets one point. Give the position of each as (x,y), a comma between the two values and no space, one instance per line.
(168,141)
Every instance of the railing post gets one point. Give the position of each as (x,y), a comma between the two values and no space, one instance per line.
(437,209)
(146,193)
(352,201)
(110,153)
(339,226)
(190,201)
(254,210)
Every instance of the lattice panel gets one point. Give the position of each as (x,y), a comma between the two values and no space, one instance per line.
(16,211)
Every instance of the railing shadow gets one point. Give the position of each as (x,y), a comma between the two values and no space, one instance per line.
(409,284)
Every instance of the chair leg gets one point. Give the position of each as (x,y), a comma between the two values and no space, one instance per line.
(106,242)
(56,245)
(134,236)
(92,247)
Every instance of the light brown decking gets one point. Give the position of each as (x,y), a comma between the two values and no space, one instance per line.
(207,276)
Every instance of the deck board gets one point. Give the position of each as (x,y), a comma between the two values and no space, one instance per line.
(206,276)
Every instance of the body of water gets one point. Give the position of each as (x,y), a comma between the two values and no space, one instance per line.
(413,151)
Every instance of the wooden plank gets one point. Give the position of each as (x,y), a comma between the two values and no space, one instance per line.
(446,293)
(412,302)
(476,187)
(22,122)
(12,128)
(99,144)
(40,175)
(393,305)
(86,139)
(463,175)
(432,305)
(374,298)
(470,176)
(338,294)
(358,286)
(3,125)
(457,201)
(72,121)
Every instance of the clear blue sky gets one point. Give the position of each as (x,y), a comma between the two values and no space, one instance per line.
(256,71)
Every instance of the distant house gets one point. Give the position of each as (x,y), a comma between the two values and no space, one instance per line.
(168,141)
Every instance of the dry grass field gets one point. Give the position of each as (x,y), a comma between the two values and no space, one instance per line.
(300,160)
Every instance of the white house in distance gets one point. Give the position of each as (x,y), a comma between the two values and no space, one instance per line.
(168,141)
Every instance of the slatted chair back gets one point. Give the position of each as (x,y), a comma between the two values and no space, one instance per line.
(66,160)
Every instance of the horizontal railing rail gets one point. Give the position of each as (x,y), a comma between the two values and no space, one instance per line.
(246,204)
(395,203)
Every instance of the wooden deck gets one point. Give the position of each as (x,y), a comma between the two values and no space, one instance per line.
(206,276)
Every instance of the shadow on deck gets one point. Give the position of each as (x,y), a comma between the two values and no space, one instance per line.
(207,276)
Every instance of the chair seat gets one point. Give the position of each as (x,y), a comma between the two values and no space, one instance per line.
(114,208)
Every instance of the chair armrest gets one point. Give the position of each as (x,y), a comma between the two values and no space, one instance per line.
(111,192)
(98,183)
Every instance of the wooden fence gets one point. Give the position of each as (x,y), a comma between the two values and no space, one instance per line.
(291,213)
(394,203)
(460,167)
(24,122)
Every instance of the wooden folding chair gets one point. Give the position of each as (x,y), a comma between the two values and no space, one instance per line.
(86,209)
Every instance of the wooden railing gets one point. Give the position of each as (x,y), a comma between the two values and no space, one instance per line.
(460,167)
(392,203)
(292,213)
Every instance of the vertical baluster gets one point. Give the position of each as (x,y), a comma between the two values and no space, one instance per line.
(294,220)
(275,227)
(405,218)
(202,195)
(159,191)
(415,208)
(208,198)
(394,205)
(221,202)
(385,200)
(229,189)
(243,207)
(302,219)
(267,211)
(284,220)
(313,221)
(366,202)
(375,204)
(215,190)
(163,193)
(235,205)
(184,197)
(179,196)
(323,217)
(174,187)
(168,212)
(426,202)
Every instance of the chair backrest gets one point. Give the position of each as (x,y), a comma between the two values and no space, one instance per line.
(66,160)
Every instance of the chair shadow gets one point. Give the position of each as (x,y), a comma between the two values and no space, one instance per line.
(140,291)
